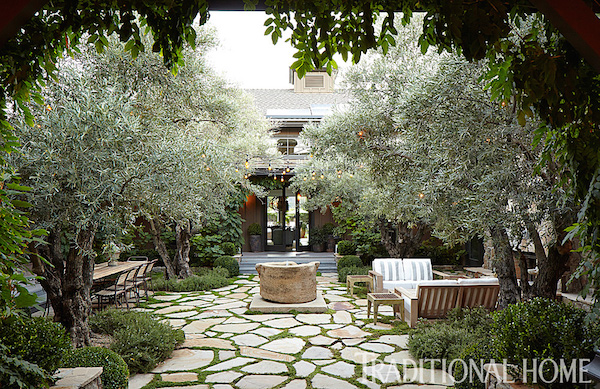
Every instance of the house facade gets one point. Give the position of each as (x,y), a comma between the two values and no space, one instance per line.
(282,215)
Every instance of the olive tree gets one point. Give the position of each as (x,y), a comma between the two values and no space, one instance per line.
(115,139)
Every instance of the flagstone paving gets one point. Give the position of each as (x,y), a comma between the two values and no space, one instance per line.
(228,347)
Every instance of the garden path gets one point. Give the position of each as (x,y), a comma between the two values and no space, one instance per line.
(226,347)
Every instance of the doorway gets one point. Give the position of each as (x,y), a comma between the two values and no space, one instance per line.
(286,220)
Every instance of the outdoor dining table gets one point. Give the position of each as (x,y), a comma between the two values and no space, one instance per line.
(102,270)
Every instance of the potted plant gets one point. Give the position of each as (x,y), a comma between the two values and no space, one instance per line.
(112,251)
(317,239)
(255,232)
(329,237)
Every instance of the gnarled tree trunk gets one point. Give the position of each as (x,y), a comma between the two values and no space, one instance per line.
(69,282)
(504,266)
(400,239)
(179,266)
(183,235)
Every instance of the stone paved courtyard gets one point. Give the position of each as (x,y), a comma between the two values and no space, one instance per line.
(227,346)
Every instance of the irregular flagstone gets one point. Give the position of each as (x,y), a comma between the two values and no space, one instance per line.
(138,381)
(224,288)
(242,289)
(305,331)
(323,362)
(337,291)
(357,355)
(401,358)
(379,326)
(282,323)
(322,340)
(224,300)
(185,359)
(236,304)
(383,372)
(316,352)
(220,386)
(238,311)
(339,369)
(212,313)
(235,328)
(372,385)
(264,354)
(180,315)
(195,303)
(314,318)
(337,346)
(353,341)
(223,377)
(235,320)
(265,317)
(238,295)
(231,363)
(199,326)
(270,367)
(260,381)
(173,308)
(427,376)
(340,306)
(348,332)
(398,340)
(176,323)
(377,347)
(209,342)
(246,282)
(285,345)
(335,298)
(342,317)
(249,340)
(210,334)
(202,386)
(167,297)
(268,332)
(179,377)
(295,384)
(160,305)
(224,355)
(322,381)
(331,326)
(304,368)
(226,335)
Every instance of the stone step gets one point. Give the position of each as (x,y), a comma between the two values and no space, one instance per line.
(326,260)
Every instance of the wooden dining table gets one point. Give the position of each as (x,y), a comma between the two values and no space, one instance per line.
(102,270)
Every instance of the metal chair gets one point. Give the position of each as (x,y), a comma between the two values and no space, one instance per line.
(143,277)
(118,290)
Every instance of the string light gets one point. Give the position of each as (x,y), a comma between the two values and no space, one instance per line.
(247,164)
(207,168)
(270,167)
(322,176)
(421,195)
(282,178)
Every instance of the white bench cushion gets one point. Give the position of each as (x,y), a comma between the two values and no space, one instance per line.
(417,269)
(390,268)
(391,285)
(478,281)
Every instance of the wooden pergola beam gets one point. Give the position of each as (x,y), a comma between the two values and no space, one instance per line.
(578,23)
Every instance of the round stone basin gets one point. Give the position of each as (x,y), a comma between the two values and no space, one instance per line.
(288,282)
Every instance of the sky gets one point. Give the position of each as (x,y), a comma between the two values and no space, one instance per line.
(246,56)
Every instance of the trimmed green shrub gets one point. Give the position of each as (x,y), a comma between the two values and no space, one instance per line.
(17,373)
(328,229)
(36,340)
(346,247)
(349,261)
(254,229)
(211,279)
(140,339)
(229,263)
(228,248)
(354,270)
(543,329)
(447,339)
(115,374)
(480,353)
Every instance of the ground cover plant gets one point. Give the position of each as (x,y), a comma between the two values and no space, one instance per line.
(202,279)
(350,264)
(139,338)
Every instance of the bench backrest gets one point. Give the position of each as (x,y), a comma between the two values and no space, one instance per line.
(417,269)
(391,268)
(479,292)
(436,298)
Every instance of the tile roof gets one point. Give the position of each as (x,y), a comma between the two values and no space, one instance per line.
(282,102)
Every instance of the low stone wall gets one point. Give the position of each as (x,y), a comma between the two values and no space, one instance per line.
(78,378)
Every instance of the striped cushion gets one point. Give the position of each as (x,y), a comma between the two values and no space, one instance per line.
(390,268)
(417,269)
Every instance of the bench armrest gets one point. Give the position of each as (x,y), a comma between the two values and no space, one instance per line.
(377,281)
(410,293)
(446,276)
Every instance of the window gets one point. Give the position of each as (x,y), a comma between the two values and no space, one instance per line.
(314,81)
(286,146)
